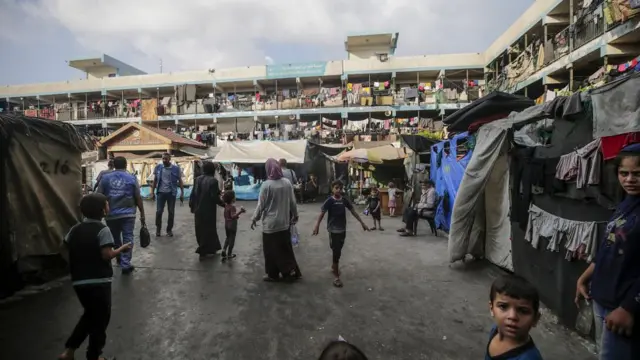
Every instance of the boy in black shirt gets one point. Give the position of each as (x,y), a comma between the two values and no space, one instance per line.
(90,246)
(337,207)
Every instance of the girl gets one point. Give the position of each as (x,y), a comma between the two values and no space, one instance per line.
(230,224)
(392,199)
(614,276)
(374,203)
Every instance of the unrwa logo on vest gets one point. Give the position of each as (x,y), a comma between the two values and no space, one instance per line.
(117,183)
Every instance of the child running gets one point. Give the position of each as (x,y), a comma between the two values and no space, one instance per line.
(515,307)
(90,246)
(373,204)
(392,191)
(337,207)
(230,224)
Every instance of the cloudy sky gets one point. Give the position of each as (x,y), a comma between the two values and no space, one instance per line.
(37,36)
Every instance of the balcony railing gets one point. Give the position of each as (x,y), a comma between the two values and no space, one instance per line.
(133,108)
(588,27)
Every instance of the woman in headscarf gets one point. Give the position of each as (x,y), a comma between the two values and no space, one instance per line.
(277,210)
(205,197)
(615,273)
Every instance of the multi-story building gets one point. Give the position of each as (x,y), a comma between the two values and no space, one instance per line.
(554,44)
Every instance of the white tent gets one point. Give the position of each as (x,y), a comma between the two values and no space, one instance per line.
(252,152)
(480,224)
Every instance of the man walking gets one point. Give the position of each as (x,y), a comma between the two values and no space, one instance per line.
(166,179)
(288,173)
(123,191)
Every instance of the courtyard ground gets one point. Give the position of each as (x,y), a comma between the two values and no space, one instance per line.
(401,300)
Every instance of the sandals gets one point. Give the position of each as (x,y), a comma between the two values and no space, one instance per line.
(337,283)
(373,228)
(381,229)
(266,278)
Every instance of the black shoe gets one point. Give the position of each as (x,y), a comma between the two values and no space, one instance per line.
(127,271)
(158,234)
(169,233)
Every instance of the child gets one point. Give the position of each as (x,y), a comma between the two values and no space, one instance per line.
(90,246)
(515,307)
(342,350)
(392,199)
(230,224)
(337,207)
(373,204)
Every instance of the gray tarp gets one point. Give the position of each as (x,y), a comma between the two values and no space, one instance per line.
(44,181)
(480,224)
(616,107)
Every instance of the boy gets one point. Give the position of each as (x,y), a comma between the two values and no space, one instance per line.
(337,207)
(515,307)
(90,246)
(373,204)
(230,224)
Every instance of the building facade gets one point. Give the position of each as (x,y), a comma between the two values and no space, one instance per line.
(555,44)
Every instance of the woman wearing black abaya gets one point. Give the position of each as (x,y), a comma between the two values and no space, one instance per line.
(204,200)
(277,210)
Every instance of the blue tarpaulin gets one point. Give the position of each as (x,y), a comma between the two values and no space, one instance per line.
(447,172)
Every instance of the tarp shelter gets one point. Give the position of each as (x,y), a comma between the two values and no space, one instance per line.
(41,188)
(374,155)
(496,105)
(247,153)
(255,152)
(480,221)
(447,171)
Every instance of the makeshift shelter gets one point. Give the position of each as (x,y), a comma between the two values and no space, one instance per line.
(449,159)
(249,158)
(254,152)
(494,106)
(41,188)
(480,219)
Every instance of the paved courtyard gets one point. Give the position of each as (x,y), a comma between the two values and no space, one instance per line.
(401,300)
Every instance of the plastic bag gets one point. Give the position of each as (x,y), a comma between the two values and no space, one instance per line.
(584,321)
(295,235)
(145,237)
(366,212)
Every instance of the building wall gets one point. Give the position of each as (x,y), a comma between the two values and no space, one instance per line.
(532,15)
(367,53)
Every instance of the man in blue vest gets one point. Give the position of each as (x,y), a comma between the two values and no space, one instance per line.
(123,191)
(166,179)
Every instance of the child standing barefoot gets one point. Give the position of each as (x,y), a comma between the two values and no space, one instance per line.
(230,224)
(90,244)
(392,199)
(337,207)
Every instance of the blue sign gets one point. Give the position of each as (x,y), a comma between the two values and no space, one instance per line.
(296,70)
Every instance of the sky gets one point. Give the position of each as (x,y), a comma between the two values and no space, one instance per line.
(37,37)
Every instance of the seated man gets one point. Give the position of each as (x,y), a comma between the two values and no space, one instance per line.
(426,208)
(311,188)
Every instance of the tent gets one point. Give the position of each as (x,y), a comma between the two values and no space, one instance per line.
(446,172)
(480,223)
(40,189)
(248,153)
(496,105)
(255,152)
(374,155)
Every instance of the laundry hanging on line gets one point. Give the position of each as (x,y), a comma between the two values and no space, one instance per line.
(581,236)
(582,165)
